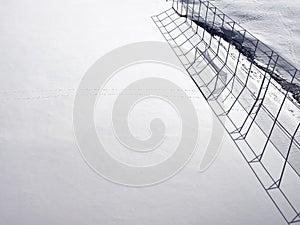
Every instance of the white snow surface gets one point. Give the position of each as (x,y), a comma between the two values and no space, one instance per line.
(46,48)
(274,23)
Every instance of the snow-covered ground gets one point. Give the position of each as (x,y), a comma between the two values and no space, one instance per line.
(275,23)
(46,48)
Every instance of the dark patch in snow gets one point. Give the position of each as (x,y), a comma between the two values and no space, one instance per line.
(247,47)
(244,18)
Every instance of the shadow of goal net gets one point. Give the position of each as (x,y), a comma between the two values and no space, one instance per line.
(253,91)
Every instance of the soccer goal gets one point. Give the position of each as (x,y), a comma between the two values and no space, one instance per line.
(251,88)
